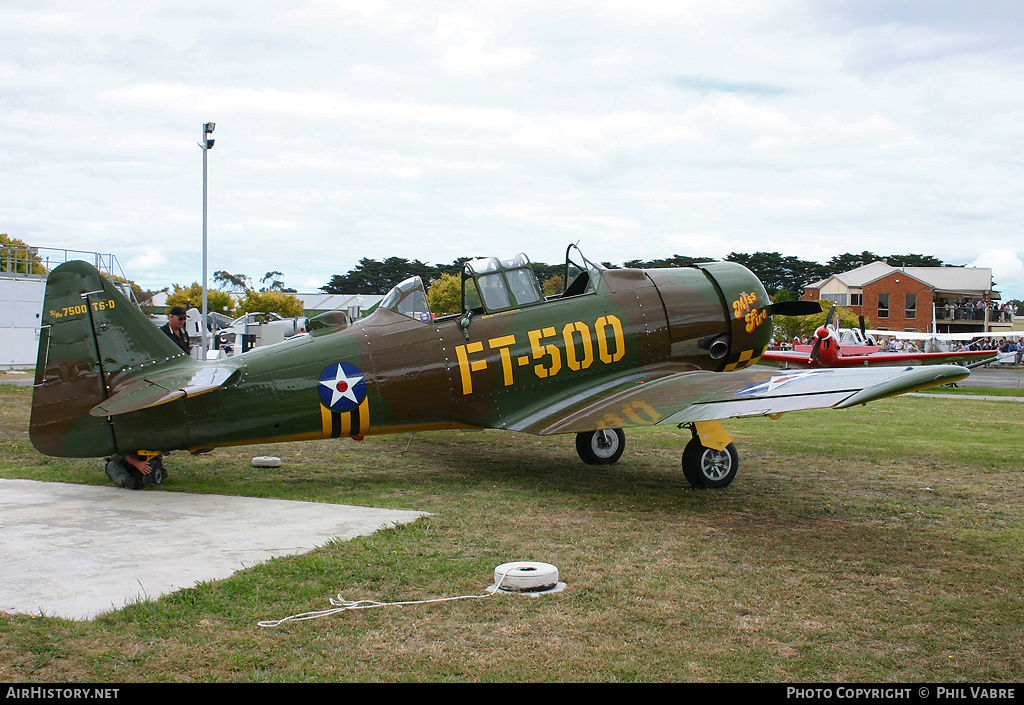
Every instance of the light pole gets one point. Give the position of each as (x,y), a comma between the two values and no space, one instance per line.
(207,145)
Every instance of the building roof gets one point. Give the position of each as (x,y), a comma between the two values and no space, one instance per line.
(974,280)
(337,302)
(965,279)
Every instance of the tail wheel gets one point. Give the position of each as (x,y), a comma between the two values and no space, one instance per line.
(158,474)
(602,447)
(707,467)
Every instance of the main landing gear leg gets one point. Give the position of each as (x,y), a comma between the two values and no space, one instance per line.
(709,459)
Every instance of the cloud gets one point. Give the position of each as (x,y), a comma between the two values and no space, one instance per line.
(1007,271)
(353,129)
(149,262)
(468,45)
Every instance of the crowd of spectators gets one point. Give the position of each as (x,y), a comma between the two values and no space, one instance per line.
(968,310)
(1000,345)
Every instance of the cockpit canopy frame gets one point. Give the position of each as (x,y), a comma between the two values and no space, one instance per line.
(581,275)
(491,285)
(409,298)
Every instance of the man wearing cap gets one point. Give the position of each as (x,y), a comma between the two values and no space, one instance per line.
(175,328)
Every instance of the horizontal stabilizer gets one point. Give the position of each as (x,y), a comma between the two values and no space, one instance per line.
(161,388)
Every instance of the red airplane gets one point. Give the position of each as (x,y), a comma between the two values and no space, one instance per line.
(827,352)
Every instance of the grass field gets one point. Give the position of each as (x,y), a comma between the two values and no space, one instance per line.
(977,391)
(882,543)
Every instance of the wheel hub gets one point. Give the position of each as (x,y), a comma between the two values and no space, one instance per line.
(715,464)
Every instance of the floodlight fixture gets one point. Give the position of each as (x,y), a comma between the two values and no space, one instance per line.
(208,127)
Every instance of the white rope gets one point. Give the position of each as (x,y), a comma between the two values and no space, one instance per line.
(340,604)
(411,435)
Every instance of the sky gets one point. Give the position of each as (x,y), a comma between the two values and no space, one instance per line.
(436,130)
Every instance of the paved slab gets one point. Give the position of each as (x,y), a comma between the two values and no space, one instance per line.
(76,551)
(1001,377)
(991,377)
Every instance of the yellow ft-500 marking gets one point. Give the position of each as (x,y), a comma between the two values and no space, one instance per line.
(583,346)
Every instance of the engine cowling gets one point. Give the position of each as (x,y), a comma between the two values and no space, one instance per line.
(719,314)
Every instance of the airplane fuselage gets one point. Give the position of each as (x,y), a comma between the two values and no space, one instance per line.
(391,372)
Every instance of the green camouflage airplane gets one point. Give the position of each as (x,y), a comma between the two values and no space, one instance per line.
(620,348)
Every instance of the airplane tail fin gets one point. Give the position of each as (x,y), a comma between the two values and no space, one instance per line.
(91,337)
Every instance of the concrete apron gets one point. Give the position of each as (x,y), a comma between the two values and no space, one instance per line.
(76,551)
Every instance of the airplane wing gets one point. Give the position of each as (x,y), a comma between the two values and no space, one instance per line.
(783,358)
(909,335)
(685,397)
(970,357)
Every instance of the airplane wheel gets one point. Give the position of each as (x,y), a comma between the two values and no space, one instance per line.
(158,474)
(601,447)
(707,467)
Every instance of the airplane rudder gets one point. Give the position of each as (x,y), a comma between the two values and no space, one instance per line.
(66,334)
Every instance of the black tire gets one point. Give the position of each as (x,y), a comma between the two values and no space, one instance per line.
(158,474)
(707,467)
(601,447)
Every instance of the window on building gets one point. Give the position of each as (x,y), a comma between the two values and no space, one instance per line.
(838,299)
(856,299)
(910,307)
(883,305)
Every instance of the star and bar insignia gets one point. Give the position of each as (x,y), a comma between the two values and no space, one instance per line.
(342,387)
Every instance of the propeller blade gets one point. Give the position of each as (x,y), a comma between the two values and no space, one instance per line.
(795,308)
(814,350)
(864,333)
(822,333)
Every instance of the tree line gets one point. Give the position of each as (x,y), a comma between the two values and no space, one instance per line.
(371,276)
(236,294)
(783,276)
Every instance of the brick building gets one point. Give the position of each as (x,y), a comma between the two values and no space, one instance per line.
(955,299)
